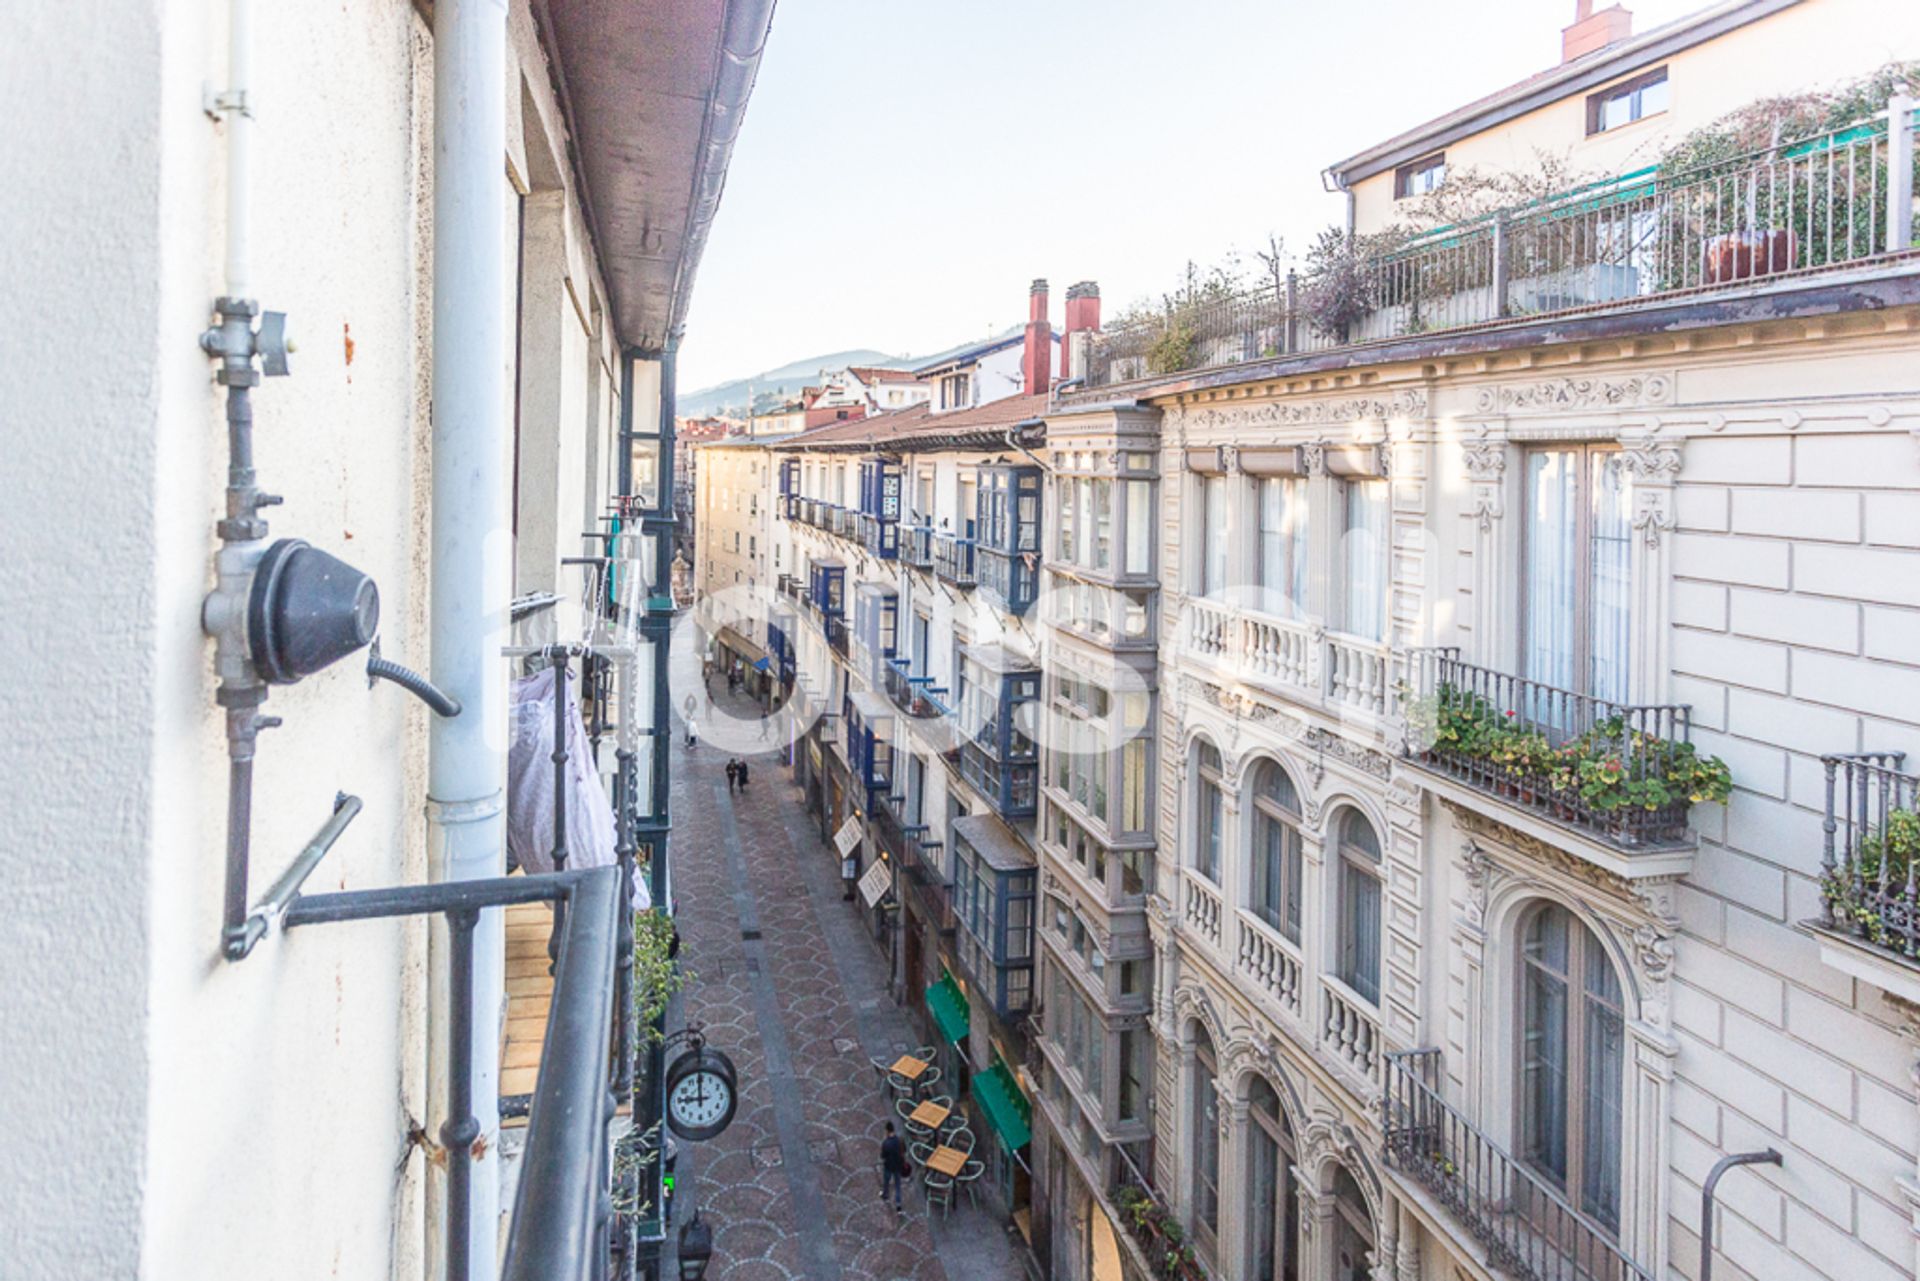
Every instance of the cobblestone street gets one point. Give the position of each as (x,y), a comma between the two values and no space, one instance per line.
(788,983)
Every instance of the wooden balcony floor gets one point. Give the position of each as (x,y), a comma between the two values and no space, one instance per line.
(529,996)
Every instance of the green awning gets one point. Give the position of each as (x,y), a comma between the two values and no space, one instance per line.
(949,1007)
(999,1096)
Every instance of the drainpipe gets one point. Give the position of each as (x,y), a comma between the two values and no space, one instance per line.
(471,568)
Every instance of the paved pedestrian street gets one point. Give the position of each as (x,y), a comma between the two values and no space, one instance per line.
(789,984)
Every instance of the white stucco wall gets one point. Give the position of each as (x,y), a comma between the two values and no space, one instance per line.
(75,765)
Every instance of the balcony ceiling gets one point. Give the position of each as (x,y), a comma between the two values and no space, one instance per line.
(654,96)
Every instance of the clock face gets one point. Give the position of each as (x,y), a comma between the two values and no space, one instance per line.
(700,1094)
(700,1099)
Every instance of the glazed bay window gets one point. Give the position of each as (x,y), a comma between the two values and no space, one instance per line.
(1111,615)
(1578,543)
(993,892)
(998,755)
(1122,874)
(1008,532)
(876,626)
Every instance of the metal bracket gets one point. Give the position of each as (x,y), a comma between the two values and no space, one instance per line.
(222,102)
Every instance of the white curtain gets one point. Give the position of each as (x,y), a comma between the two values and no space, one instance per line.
(1609,577)
(1364,549)
(1213,563)
(1283,545)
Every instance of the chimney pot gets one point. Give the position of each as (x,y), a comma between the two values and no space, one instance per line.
(1036,358)
(1083,318)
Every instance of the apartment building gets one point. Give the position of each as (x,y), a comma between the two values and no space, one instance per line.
(738,554)
(366,369)
(1533,658)
(906,637)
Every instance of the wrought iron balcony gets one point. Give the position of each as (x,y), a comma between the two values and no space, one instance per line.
(1529,1230)
(836,629)
(1795,208)
(910,693)
(916,546)
(953,559)
(1624,773)
(1870,868)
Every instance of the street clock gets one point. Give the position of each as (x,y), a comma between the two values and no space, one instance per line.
(702,1093)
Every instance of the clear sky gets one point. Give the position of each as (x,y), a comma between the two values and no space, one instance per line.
(908,166)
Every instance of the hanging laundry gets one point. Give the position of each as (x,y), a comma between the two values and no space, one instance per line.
(590,839)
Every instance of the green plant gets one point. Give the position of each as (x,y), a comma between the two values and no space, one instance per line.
(656,976)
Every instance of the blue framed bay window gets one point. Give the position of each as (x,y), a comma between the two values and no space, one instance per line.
(869,721)
(999,697)
(780,643)
(790,488)
(876,627)
(827,588)
(880,507)
(993,904)
(1007,557)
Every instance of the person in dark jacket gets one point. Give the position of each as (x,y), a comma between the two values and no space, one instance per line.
(741,769)
(893,1167)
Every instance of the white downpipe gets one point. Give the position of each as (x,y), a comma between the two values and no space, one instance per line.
(237,107)
(472,553)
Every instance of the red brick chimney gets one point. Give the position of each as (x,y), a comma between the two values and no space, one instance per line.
(1037,360)
(1083,316)
(1591,31)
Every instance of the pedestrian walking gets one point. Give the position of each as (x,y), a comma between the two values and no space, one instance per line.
(766,724)
(893,1168)
(733,775)
(743,773)
(693,733)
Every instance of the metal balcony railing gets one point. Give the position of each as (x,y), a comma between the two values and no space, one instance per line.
(910,693)
(1870,869)
(953,559)
(1626,773)
(916,546)
(1802,206)
(1529,1230)
(836,629)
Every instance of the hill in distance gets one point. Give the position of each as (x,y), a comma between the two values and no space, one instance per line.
(731,398)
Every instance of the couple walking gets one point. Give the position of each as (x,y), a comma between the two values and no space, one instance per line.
(736,775)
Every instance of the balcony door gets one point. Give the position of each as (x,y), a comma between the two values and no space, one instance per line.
(1574,597)
(1572,1058)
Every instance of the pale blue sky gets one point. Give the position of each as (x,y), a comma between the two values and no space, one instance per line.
(907,167)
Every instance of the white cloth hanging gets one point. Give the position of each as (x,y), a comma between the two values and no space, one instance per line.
(590,836)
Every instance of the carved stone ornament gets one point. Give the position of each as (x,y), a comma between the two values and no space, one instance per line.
(1410,402)
(1651,461)
(1554,394)
(1230,459)
(1653,952)
(1559,860)
(1486,460)
(1479,871)
(1651,516)
(1313,457)
(1364,759)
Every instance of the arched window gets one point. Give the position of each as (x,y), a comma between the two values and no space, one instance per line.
(1206,1135)
(1359,862)
(1572,1055)
(1352,1230)
(1212,813)
(1273,1242)
(1275,891)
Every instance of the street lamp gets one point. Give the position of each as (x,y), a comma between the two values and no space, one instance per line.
(696,1248)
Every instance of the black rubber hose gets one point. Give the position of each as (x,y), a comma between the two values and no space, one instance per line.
(414,683)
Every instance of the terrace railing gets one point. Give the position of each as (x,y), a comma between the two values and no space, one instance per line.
(1870,869)
(916,546)
(1618,771)
(953,559)
(1529,1230)
(1805,205)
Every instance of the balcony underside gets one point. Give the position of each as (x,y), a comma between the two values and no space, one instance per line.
(1532,824)
(1854,956)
